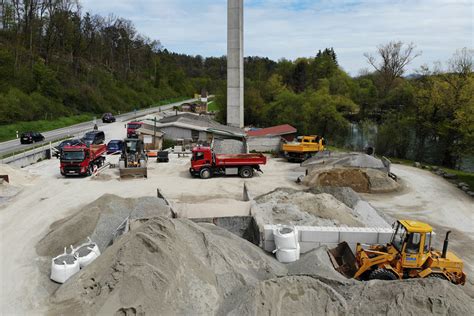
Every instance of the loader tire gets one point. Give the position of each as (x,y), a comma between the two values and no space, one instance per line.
(382,274)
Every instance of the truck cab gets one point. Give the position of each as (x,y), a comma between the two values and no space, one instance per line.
(81,159)
(132,128)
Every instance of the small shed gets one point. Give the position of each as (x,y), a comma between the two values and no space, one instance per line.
(153,140)
(269,139)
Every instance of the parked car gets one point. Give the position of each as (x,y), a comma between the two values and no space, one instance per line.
(31,137)
(114,146)
(94,138)
(162,156)
(108,118)
(68,142)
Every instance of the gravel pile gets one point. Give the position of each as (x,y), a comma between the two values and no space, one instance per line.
(229,146)
(342,159)
(174,266)
(98,220)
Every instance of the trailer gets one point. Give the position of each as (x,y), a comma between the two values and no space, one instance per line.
(82,159)
(205,163)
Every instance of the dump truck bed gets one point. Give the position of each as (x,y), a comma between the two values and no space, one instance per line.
(240,159)
(300,148)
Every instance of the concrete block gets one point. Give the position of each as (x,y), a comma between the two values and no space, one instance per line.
(268,232)
(269,245)
(359,235)
(320,234)
(308,246)
(384,235)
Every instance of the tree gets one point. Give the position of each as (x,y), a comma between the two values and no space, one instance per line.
(394,57)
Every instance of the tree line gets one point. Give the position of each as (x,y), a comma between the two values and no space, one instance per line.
(56,60)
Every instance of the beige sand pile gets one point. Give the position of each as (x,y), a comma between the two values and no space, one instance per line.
(173,266)
(360,180)
(98,220)
(17,177)
(168,266)
(289,206)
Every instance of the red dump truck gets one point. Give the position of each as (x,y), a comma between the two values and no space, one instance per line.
(205,163)
(82,159)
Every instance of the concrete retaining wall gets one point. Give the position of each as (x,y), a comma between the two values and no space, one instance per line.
(28,158)
(311,237)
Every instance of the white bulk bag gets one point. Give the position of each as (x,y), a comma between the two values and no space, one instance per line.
(286,237)
(86,253)
(63,267)
(288,255)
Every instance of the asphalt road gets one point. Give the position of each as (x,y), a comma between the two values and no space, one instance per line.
(12,146)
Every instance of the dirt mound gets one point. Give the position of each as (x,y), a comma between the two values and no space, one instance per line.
(99,220)
(168,266)
(289,206)
(360,180)
(175,266)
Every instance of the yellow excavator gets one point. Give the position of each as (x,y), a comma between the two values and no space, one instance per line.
(408,255)
(303,148)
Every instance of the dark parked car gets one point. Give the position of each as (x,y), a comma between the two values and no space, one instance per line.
(67,142)
(31,137)
(162,156)
(94,138)
(108,118)
(114,146)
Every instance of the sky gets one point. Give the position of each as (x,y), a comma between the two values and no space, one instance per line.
(299,28)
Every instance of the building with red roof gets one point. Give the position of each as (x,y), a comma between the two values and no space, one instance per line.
(286,131)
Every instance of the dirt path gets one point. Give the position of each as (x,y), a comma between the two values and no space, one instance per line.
(432,199)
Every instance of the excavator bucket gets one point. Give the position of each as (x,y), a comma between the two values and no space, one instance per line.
(343,259)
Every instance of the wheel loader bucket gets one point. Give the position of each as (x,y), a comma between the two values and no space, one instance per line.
(343,259)
(133,172)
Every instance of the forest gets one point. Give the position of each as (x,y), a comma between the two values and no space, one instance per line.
(57,61)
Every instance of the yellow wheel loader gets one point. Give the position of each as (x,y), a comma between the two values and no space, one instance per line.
(303,148)
(408,255)
(133,161)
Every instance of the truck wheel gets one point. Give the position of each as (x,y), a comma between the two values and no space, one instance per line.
(246,172)
(382,274)
(90,170)
(205,173)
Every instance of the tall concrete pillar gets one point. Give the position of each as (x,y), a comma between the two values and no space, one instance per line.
(235,63)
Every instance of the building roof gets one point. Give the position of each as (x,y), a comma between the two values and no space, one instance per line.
(273,131)
(199,123)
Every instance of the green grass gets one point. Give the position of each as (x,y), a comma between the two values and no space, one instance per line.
(168,101)
(8,132)
(212,106)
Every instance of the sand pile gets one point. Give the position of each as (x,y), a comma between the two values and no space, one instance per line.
(17,177)
(174,266)
(360,180)
(99,220)
(290,206)
(168,266)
